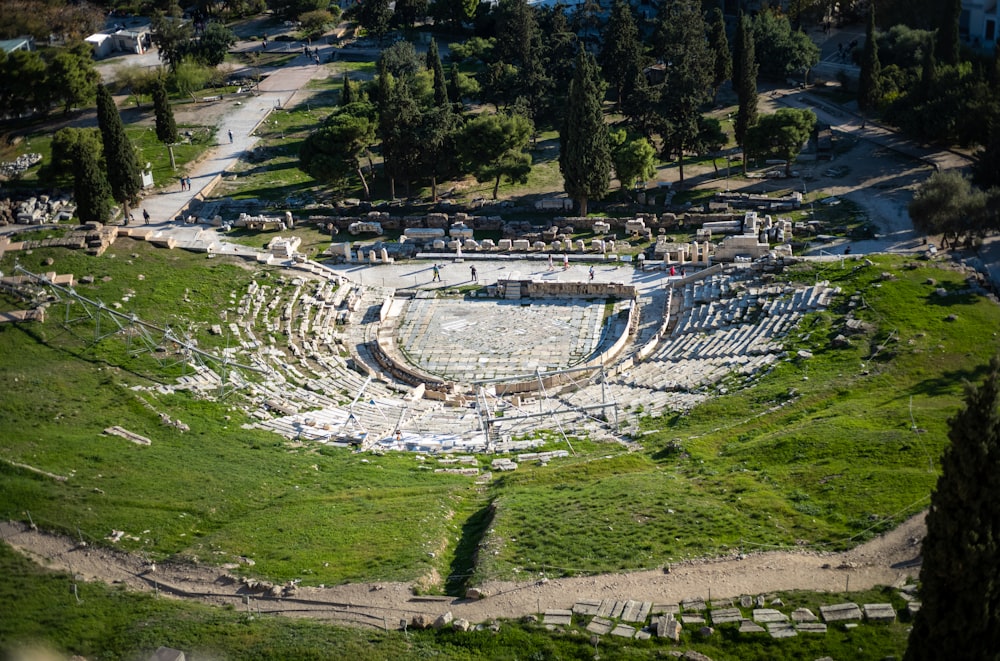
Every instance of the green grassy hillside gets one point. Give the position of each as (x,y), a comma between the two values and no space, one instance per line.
(821,452)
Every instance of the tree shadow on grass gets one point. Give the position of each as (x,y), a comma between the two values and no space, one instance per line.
(956,294)
(944,383)
(273,193)
(467,550)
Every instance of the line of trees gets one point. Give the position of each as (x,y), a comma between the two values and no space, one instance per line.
(103,163)
(662,77)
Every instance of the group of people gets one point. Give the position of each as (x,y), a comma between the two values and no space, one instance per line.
(185,183)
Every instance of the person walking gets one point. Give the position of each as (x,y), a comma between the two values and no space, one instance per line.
(230,137)
(565,262)
(551,266)
(145,216)
(475,275)
(437,274)
(591,273)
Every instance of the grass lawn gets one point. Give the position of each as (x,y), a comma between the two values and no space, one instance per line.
(196,140)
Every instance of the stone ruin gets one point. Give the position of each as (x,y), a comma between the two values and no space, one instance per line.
(20,165)
(37,210)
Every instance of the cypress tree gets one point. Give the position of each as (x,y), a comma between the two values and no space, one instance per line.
(869,86)
(584,152)
(434,65)
(745,76)
(119,155)
(681,45)
(947,34)
(928,72)
(995,69)
(520,44)
(622,51)
(347,96)
(960,575)
(722,68)
(90,187)
(166,127)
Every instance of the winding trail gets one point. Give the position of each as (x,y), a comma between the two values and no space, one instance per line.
(890,559)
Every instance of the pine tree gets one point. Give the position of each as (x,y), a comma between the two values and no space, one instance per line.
(869,80)
(90,187)
(745,76)
(723,66)
(584,152)
(947,33)
(440,85)
(622,49)
(119,154)
(960,575)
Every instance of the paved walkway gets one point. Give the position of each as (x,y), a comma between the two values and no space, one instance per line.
(278,89)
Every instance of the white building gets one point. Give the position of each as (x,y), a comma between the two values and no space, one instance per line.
(978,23)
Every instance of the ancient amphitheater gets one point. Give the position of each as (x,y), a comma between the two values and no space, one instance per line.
(435,367)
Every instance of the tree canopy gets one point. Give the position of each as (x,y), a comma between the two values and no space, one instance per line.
(780,50)
(948,204)
(960,575)
(870,78)
(680,43)
(722,68)
(64,144)
(745,69)
(72,76)
(634,159)
(91,191)
(621,52)
(493,148)
(374,16)
(780,135)
(166,126)
(172,37)
(212,45)
(333,153)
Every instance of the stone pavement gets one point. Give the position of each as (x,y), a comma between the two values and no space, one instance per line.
(467,340)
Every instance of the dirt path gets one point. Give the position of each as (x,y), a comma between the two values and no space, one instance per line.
(886,560)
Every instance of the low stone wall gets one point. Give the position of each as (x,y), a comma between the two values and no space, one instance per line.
(650,346)
(394,222)
(549,289)
(384,351)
